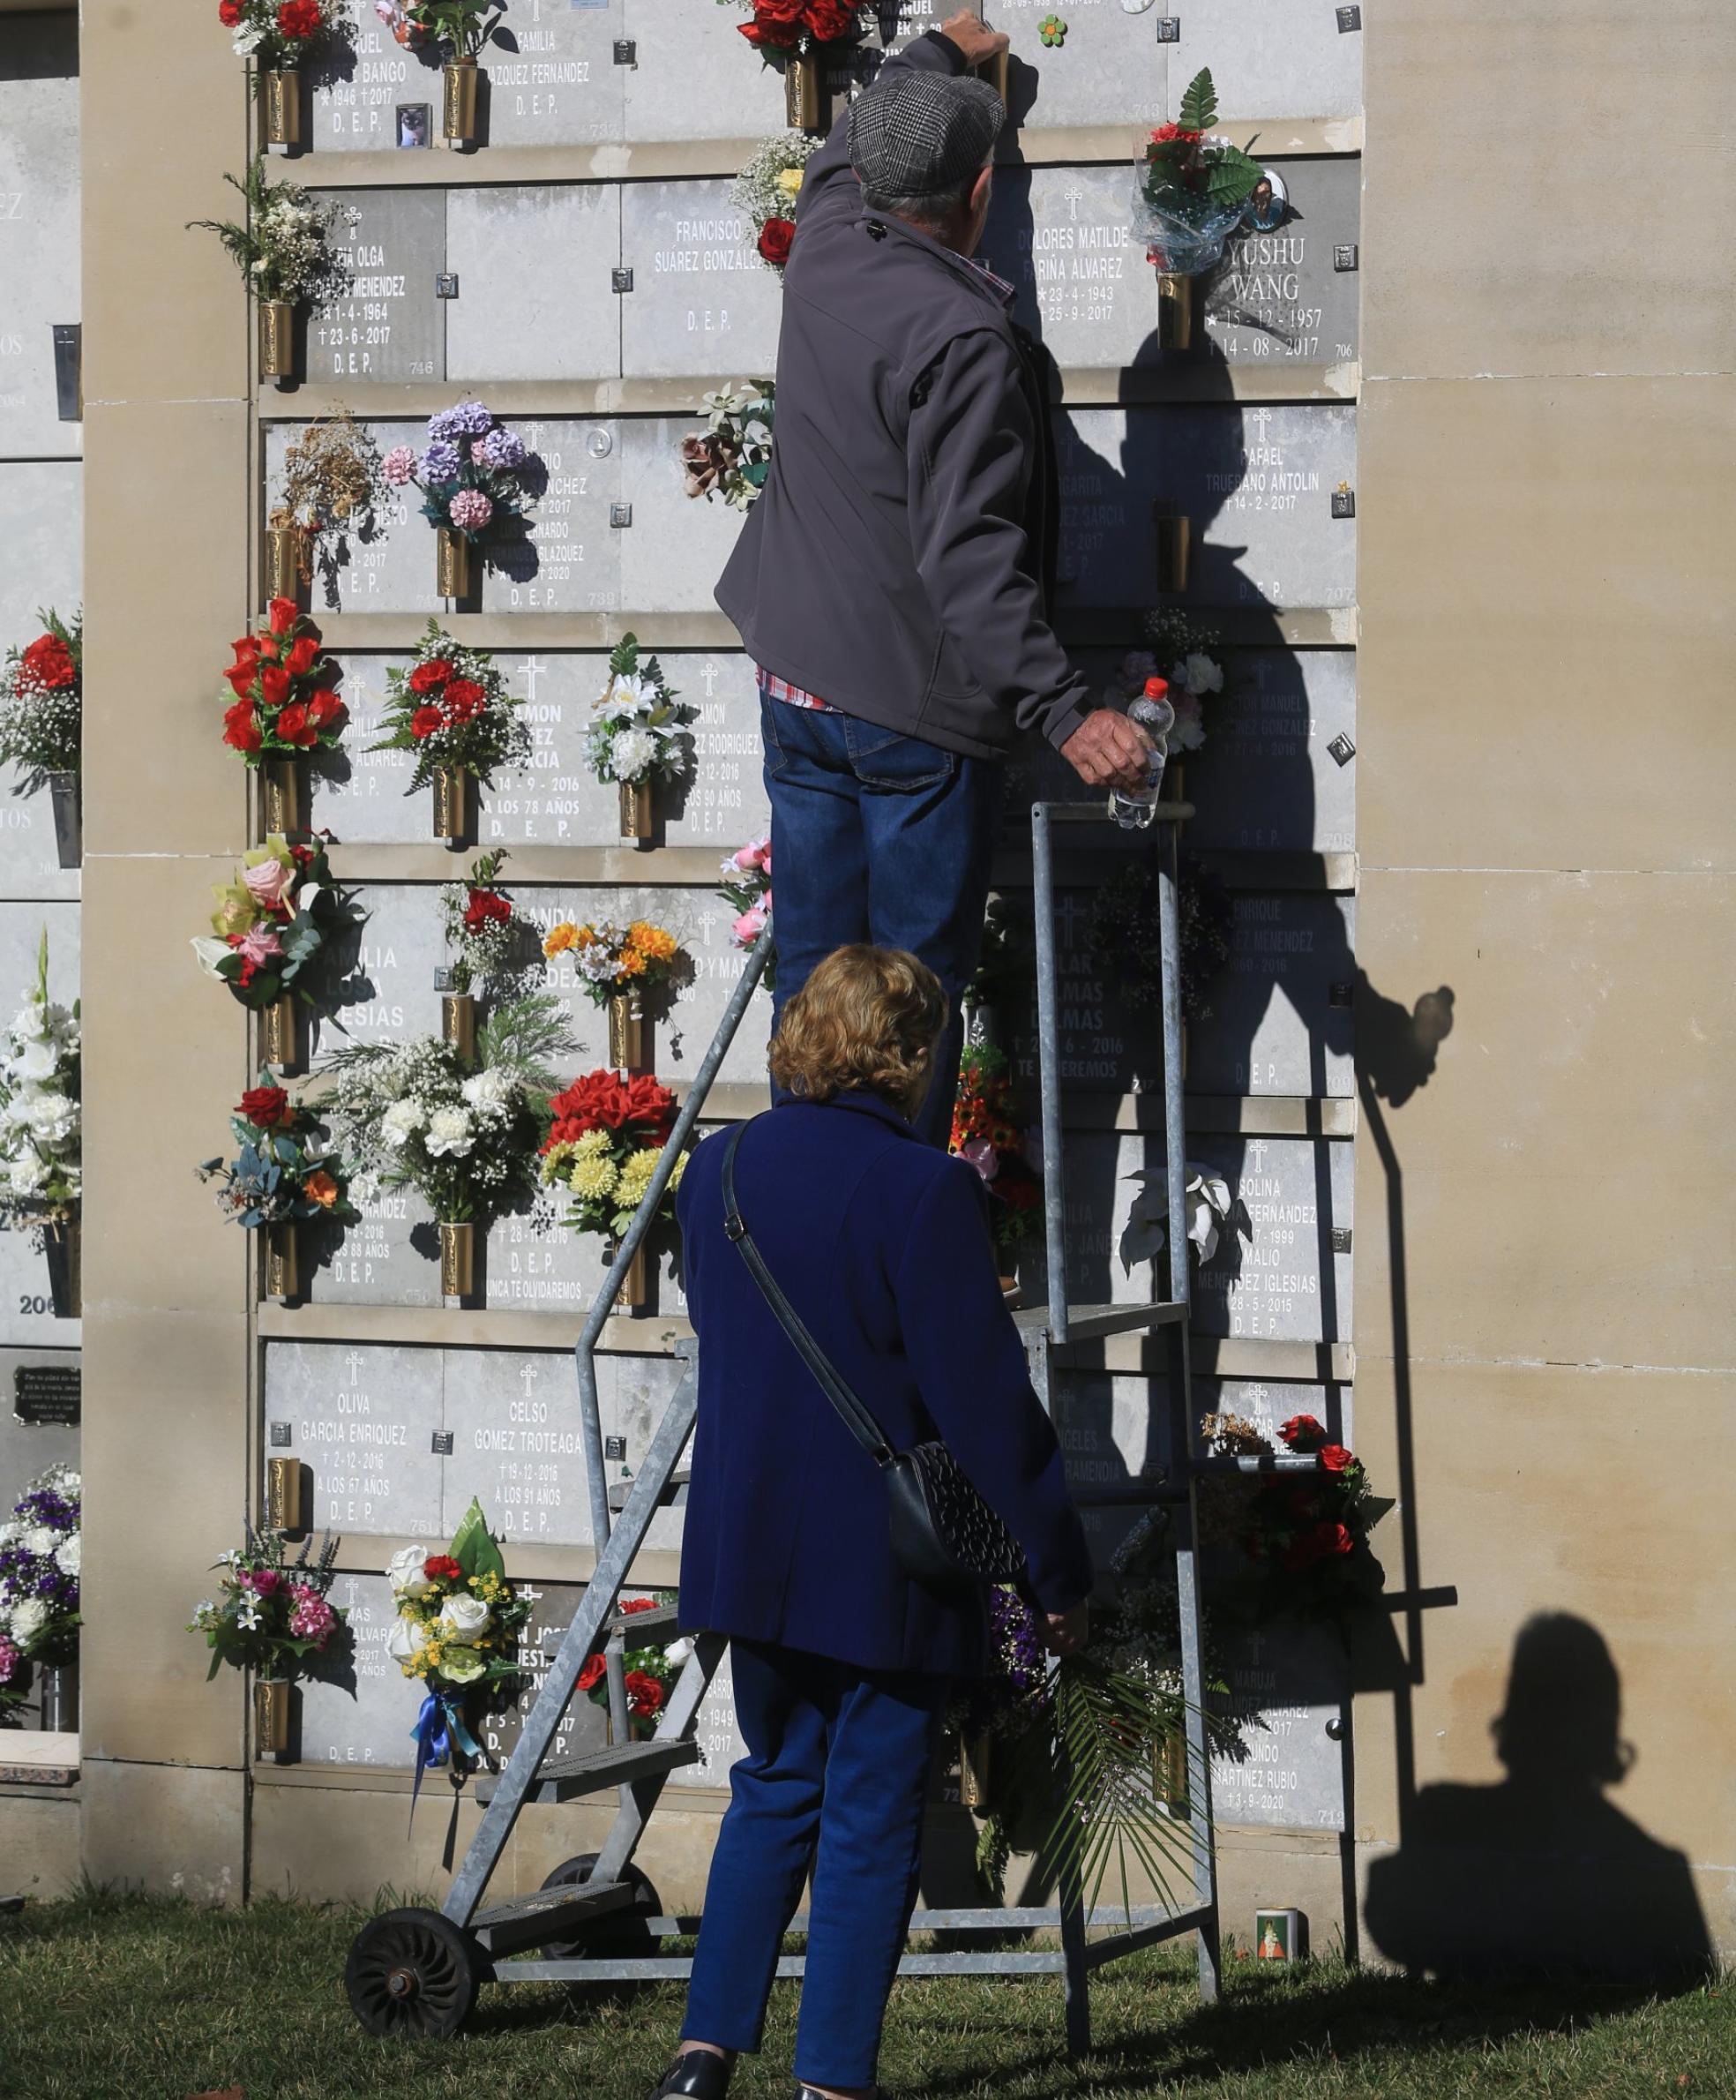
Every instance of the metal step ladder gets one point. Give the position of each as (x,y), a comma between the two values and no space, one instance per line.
(596,1919)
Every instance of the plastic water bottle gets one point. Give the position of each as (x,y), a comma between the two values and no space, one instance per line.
(1157,717)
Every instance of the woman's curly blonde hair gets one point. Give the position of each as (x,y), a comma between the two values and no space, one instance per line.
(867,1017)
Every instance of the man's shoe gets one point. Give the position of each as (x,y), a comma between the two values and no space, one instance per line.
(696,2074)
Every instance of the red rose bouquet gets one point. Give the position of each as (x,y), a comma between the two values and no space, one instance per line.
(494,947)
(785,26)
(450,708)
(606,1135)
(278,33)
(651,1672)
(985,1134)
(286,702)
(41,700)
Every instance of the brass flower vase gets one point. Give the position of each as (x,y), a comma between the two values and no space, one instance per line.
(1175,310)
(1174,550)
(67,803)
(283,1494)
(279,1034)
(277,339)
(458,101)
(280,91)
(59,1685)
(284,546)
(627,1031)
(271,1716)
(975,1758)
(283,782)
(458,1261)
(452,805)
(66,1282)
(634,1294)
(458,1023)
(635,796)
(804,91)
(283,1260)
(1169,1774)
(451,563)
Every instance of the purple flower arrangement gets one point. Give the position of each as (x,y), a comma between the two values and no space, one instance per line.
(470,472)
(1012,1689)
(40,1561)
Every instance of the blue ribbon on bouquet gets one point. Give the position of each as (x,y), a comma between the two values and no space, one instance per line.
(439,1731)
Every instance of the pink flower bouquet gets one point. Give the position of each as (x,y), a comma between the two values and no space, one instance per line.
(747,885)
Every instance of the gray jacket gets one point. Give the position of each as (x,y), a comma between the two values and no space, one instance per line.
(893,563)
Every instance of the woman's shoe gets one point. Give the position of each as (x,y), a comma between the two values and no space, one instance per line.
(696,2074)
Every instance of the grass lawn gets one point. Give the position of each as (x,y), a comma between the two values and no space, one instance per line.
(159,2000)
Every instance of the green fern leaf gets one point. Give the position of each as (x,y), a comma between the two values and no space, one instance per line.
(1199,104)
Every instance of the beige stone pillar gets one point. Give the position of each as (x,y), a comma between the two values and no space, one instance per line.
(167,1436)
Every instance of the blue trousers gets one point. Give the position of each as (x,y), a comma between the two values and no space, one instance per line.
(833,1784)
(878,836)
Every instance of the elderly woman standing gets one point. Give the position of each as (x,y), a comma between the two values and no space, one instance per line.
(843,1664)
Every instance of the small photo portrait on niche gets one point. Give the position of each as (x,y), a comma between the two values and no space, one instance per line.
(414,123)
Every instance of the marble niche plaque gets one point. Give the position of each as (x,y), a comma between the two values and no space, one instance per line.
(1111,70)
(560,801)
(1064,237)
(1287,1284)
(389,324)
(674,552)
(705,82)
(548,78)
(1267,777)
(41,528)
(1269,59)
(702,301)
(567,560)
(39,229)
(1278,1016)
(27,1309)
(717,1733)
(366,1716)
(362,1421)
(1288,1690)
(1257,483)
(584,1725)
(534,296)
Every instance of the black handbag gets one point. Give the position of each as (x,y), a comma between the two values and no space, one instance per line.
(944,1535)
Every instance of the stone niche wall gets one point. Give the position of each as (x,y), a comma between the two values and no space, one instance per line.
(41,531)
(586,273)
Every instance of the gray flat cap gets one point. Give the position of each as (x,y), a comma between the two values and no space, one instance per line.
(922,132)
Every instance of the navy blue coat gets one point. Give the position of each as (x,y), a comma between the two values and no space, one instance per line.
(881,1243)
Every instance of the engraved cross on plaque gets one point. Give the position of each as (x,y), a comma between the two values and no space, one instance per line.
(1256,1154)
(709,678)
(352,1364)
(1068,910)
(1072,193)
(528,1377)
(533,668)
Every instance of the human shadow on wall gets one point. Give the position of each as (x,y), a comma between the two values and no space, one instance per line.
(1541,1873)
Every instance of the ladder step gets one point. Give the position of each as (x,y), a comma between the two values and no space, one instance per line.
(566,1779)
(547,1914)
(678,1482)
(1086,1322)
(640,1626)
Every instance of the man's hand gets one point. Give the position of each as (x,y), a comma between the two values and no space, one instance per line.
(1107,750)
(976,42)
(1064,1632)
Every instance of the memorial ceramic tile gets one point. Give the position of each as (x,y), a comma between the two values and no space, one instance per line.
(701,300)
(548,78)
(362,1421)
(1288,1691)
(1276,1019)
(41,528)
(1256,482)
(365,1713)
(584,1726)
(517,1443)
(534,296)
(389,324)
(705,82)
(29,1446)
(1270,58)
(1063,237)
(568,559)
(39,229)
(674,548)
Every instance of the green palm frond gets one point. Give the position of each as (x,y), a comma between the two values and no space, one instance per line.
(525,1037)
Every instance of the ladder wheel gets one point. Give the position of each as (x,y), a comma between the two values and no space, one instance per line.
(412,1975)
(619,1935)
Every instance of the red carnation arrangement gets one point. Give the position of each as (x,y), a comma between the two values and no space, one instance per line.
(277,32)
(285,685)
(492,944)
(793,25)
(1307,1532)
(775,237)
(641,1107)
(606,1137)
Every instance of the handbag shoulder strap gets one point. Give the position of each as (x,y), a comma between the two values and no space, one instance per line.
(857,1419)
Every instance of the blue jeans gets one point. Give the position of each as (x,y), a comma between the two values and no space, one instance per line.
(833,1781)
(882,837)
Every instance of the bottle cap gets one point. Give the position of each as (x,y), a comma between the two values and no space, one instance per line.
(1156,688)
